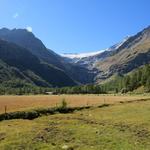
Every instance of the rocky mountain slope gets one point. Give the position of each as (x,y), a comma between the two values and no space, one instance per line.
(90,59)
(132,54)
(121,58)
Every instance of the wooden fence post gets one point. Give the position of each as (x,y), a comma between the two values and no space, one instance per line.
(5,111)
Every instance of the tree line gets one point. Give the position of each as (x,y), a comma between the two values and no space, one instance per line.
(20,87)
(121,84)
(82,89)
(128,83)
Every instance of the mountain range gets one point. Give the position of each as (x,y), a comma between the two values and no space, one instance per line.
(23,56)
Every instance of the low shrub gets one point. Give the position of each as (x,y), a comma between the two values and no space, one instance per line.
(19,115)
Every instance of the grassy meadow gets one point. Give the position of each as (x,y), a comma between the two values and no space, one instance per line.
(21,103)
(122,126)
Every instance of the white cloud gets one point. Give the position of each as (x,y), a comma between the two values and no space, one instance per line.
(29,29)
(16,15)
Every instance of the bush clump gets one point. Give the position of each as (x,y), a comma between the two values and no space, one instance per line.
(20,115)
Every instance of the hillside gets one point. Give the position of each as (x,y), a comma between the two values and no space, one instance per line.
(137,81)
(70,69)
(134,53)
(18,62)
(121,58)
(29,41)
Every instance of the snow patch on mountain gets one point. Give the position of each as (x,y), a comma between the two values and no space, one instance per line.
(90,54)
(81,55)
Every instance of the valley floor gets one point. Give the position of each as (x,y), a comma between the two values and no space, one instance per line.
(21,103)
(124,126)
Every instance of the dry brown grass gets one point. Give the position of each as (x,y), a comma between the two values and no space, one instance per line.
(15,103)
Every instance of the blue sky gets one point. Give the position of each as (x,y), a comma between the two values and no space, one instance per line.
(74,26)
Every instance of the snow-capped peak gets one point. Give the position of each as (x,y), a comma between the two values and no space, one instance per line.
(116,46)
(89,54)
(81,55)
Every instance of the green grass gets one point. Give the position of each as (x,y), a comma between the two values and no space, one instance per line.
(117,127)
